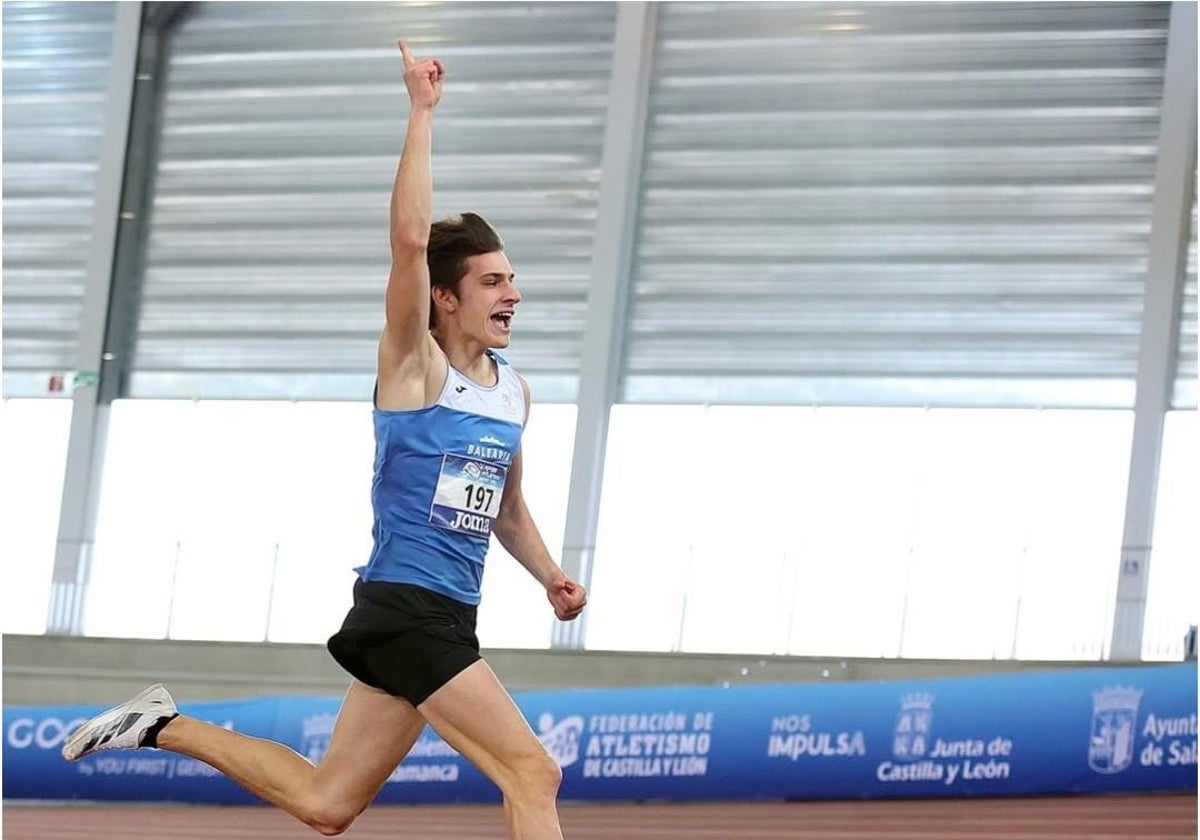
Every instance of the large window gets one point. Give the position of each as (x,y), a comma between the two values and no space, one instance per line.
(244,520)
(239,520)
(860,531)
(33,452)
(831,531)
(1171,604)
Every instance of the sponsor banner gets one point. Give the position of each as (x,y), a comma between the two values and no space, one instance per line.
(1079,731)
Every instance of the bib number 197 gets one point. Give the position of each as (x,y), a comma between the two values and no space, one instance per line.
(468,495)
(479,497)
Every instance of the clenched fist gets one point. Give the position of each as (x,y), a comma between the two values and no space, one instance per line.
(567,597)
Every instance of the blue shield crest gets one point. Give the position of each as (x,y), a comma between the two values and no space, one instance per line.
(1114,726)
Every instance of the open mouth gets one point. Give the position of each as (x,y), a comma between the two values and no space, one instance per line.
(503,321)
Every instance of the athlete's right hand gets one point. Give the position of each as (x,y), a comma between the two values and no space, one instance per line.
(423,78)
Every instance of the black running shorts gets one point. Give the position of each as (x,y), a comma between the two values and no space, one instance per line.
(404,639)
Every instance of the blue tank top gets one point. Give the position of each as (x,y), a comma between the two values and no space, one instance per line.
(439,479)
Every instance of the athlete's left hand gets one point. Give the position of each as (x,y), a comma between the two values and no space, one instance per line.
(567,597)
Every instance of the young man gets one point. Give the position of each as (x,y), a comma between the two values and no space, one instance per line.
(448,420)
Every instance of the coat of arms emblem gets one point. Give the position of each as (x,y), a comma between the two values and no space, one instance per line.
(910,741)
(1114,723)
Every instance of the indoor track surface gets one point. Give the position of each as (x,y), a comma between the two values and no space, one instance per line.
(1169,817)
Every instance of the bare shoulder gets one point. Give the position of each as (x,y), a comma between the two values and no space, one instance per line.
(525,390)
(412,380)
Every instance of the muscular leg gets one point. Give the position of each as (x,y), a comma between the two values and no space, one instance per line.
(476,716)
(374,731)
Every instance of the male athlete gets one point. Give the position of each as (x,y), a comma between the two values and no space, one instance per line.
(448,418)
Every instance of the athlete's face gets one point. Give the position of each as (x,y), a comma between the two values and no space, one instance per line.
(487,299)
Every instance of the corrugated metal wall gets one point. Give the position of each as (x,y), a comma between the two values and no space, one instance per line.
(56,62)
(888,203)
(842,203)
(282,129)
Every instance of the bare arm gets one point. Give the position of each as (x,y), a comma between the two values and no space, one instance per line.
(516,531)
(405,335)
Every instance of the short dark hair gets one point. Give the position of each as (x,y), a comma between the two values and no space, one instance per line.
(451,242)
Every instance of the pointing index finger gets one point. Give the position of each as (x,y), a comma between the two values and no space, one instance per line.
(408,58)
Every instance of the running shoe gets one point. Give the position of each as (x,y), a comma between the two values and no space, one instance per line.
(122,727)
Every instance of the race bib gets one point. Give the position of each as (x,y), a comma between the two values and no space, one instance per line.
(467,498)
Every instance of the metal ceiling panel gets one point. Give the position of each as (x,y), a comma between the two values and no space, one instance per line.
(56,61)
(896,204)
(281,131)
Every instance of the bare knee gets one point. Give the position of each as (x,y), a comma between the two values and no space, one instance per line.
(329,823)
(535,777)
(329,818)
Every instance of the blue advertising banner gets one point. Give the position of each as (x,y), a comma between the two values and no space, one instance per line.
(1095,730)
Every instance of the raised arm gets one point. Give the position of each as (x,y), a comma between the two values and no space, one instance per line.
(405,336)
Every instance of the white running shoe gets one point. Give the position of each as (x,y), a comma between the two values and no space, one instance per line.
(121,727)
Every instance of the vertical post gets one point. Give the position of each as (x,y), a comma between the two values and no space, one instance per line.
(1173,191)
(89,415)
(608,290)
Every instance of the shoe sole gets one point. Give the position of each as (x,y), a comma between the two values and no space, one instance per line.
(80,737)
